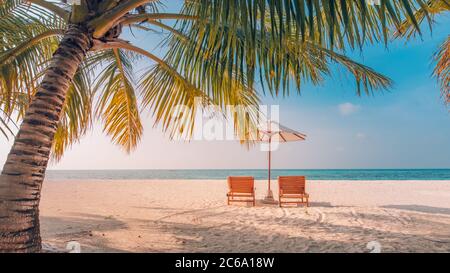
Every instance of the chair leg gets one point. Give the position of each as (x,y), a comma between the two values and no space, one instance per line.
(307,202)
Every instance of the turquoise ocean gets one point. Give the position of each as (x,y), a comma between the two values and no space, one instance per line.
(312,174)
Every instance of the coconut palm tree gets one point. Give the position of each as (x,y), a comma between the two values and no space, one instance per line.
(57,58)
(442,56)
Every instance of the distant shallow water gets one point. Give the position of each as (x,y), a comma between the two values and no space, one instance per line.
(312,174)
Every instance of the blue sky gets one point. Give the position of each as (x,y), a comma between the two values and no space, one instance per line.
(406,127)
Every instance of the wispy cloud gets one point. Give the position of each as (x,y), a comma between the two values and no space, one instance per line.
(347,109)
(360,135)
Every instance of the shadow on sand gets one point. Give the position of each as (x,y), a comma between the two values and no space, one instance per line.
(87,229)
(262,233)
(420,208)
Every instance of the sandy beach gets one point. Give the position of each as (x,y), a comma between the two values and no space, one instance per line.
(192,216)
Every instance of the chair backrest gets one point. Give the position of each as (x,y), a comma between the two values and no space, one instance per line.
(292,184)
(241,184)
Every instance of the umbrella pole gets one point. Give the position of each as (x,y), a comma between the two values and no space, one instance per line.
(270,156)
(269,196)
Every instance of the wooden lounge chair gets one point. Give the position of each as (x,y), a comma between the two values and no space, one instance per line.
(241,189)
(293,188)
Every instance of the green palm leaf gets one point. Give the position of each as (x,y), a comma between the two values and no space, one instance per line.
(442,69)
(428,10)
(29,38)
(118,105)
(253,39)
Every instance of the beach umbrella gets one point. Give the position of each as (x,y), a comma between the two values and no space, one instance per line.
(274,132)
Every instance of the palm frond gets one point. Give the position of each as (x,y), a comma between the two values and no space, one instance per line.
(367,79)
(5,124)
(326,22)
(254,38)
(295,61)
(428,10)
(118,106)
(29,38)
(442,69)
(176,102)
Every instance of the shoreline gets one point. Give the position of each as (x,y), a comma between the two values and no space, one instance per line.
(258,174)
(259,180)
(182,216)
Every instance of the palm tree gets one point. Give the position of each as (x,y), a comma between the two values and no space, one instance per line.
(58,58)
(442,56)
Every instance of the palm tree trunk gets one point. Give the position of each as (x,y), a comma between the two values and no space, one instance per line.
(23,173)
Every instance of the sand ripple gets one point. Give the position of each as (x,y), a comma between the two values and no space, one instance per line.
(182,216)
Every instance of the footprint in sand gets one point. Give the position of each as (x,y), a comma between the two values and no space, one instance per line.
(407,218)
(437,239)
(197,220)
(307,218)
(397,216)
(356,217)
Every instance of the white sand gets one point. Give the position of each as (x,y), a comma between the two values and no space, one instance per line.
(192,216)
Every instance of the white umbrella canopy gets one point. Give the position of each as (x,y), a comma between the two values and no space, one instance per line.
(275,132)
